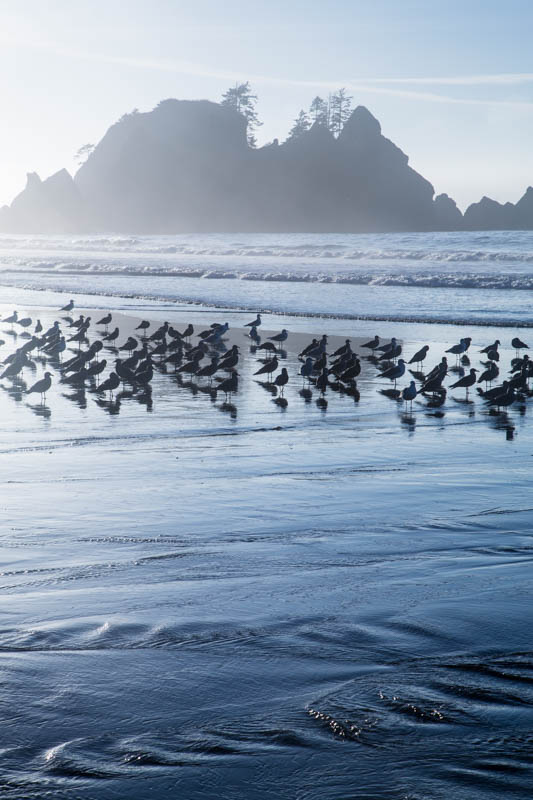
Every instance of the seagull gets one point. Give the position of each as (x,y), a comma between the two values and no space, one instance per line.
(217,333)
(462,347)
(129,345)
(42,386)
(383,348)
(341,364)
(280,337)
(321,363)
(160,333)
(268,368)
(142,326)
(491,347)
(25,323)
(174,334)
(161,349)
(191,367)
(503,400)
(434,384)
(209,331)
(105,321)
(395,372)
(309,348)
(352,372)
(13,318)
(38,327)
(518,344)
(231,359)
(420,355)
(96,347)
(52,331)
(320,348)
(96,368)
(322,382)
(109,385)
(391,353)
(306,370)
(466,382)
(490,373)
(373,344)
(111,337)
(209,370)
(488,394)
(459,349)
(126,375)
(78,337)
(68,307)
(281,380)
(229,386)
(267,346)
(345,348)
(254,336)
(255,324)
(409,394)
(15,367)
(56,348)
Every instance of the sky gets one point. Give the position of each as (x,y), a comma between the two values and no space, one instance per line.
(451,82)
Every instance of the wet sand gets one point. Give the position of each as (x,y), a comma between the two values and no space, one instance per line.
(279,602)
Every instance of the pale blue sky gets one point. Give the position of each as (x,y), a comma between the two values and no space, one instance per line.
(451,82)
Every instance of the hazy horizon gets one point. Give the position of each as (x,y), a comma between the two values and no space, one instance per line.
(450,86)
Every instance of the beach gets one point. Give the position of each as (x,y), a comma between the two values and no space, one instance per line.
(212,600)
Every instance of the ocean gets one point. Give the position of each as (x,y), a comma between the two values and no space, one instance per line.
(298,600)
(468,278)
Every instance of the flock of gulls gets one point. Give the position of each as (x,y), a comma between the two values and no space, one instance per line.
(73,354)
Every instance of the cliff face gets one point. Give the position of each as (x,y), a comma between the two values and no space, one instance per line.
(186,166)
(176,168)
(51,206)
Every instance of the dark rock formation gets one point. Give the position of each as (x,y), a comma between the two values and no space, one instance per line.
(186,167)
(489,215)
(524,210)
(447,216)
(176,168)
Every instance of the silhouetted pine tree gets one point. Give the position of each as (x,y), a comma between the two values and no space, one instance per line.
(340,105)
(319,111)
(302,124)
(241,99)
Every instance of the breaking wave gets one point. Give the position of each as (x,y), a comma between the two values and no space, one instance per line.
(434,248)
(383,277)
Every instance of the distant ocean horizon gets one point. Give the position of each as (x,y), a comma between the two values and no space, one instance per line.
(480,278)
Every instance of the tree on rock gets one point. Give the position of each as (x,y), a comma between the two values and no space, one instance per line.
(319,111)
(84,152)
(340,109)
(241,99)
(302,124)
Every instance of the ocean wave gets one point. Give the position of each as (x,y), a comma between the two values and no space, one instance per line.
(434,249)
(426,279)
